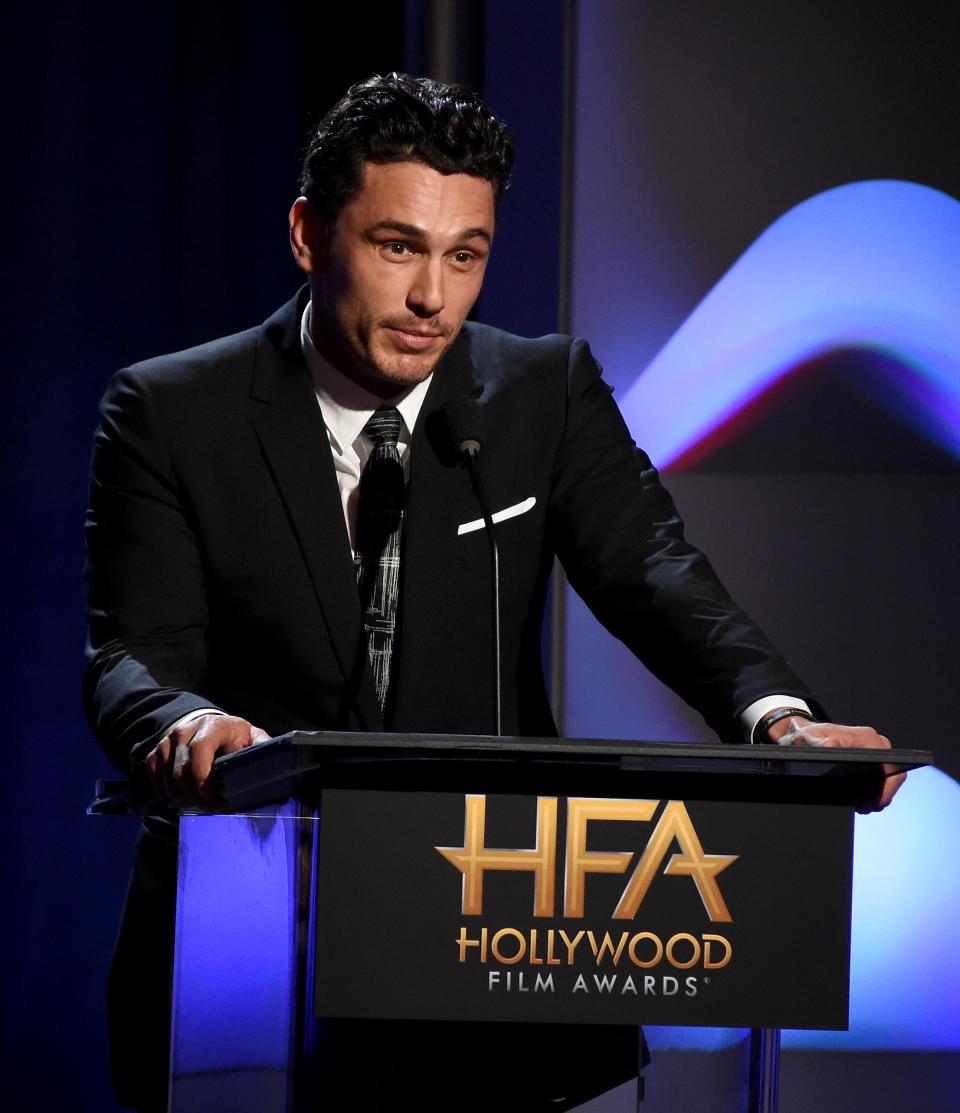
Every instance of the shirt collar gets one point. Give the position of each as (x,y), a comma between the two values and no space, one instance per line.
(346,406)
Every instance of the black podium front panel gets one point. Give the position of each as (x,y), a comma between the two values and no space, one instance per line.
(446,877)
(582,909)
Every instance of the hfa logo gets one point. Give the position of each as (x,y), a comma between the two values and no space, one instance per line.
(674,824)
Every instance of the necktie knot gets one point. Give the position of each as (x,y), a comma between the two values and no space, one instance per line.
(383,427)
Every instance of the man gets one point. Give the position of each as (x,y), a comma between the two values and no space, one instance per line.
(226,533)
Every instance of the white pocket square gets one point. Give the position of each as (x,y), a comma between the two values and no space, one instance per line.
(500,516)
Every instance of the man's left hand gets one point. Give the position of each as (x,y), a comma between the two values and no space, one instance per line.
(796,731)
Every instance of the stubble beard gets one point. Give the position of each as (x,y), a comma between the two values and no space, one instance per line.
(383,365)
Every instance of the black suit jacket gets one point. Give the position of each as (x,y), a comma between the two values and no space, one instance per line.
(219,572)
(219,569)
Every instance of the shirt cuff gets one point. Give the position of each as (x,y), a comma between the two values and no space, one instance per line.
(759,709)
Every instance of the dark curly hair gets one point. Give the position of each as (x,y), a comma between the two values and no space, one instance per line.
(399,118)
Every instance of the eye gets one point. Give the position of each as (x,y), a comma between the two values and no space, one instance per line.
(465,260)
(396,249)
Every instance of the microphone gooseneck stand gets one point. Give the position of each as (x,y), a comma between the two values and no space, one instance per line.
(464,422)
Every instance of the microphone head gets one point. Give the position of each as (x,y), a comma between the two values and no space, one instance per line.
(464,420)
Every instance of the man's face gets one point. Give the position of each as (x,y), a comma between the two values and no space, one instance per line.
(404,264)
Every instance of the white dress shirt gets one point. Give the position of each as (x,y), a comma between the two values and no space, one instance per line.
(347,407)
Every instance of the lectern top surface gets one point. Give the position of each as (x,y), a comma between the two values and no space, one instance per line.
(280,767)
(295,759)
(797,760)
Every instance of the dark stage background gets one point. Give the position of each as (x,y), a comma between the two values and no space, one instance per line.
(152,157)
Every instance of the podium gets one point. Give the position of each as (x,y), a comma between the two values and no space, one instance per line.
(550,881)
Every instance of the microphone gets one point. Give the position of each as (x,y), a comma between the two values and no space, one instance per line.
(464,420)
(464,423)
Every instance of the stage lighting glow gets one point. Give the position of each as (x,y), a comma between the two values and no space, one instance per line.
(235,968)
(872,264)
(905,968)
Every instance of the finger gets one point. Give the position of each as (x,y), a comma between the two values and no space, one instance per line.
(192,763)
(876,797)
(159,765)
(835,736)
(225,734)
(245,736)
(239,737)
(180,765)
(884,786)
(891,784)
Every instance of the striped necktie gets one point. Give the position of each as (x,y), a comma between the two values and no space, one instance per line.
(380,511)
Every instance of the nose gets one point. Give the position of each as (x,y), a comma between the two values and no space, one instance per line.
(425,296)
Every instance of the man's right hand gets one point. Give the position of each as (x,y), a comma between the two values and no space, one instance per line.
(180,764)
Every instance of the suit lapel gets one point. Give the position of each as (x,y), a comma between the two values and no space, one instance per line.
(289,425)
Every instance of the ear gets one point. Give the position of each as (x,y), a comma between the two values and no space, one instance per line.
(306,235)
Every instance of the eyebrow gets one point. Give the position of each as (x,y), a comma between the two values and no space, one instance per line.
(414,232)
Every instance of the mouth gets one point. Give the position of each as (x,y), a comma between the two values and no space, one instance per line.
(414,340)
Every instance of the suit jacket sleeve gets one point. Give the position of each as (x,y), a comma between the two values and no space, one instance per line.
(621,542)
(144,581)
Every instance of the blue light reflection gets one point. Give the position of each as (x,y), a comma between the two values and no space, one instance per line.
(873,264)
(905,964)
